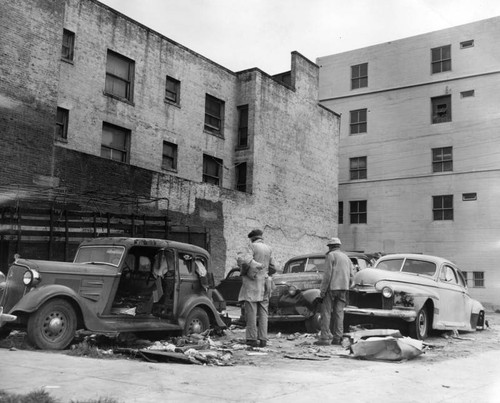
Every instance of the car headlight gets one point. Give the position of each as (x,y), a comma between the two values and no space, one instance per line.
(387,292)
(31,278)
(292,290)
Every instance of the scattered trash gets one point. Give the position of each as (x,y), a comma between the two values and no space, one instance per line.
(387,348)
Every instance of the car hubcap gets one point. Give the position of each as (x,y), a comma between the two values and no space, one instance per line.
(54,325)
(196,326)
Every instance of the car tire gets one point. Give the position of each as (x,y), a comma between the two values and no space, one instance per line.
(313,323)
(197,321)
(52,326)
(419,328)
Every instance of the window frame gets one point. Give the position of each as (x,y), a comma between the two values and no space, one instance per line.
(210,116)
(358,211)
(68,46)
(438,116)
(359,76)
(242,126)
(112,77)
(356,169)
(340,217)
(442,159)
(441,209)
(241,177)
(358,121)
(61,126)
(209,177)
(478,279)
(126,148)
(172,157)
(176,90)
(441,59)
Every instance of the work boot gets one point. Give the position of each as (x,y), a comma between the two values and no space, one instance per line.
(252,343)
(263,343)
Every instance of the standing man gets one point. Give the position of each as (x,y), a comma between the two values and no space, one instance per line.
(256,288)
(337,279)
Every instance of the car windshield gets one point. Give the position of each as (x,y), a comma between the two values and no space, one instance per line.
(314,264)
(111,255)
(415,266)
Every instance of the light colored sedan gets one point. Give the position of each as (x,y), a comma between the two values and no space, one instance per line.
(421,292)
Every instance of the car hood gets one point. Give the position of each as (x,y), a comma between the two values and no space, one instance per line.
(49,266)
(371,276)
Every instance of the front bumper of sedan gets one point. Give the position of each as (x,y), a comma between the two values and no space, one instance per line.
(406,315)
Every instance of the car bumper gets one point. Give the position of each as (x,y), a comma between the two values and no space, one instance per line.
(407,315)
(5,317)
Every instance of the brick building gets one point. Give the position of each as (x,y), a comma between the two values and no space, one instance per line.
(419,169)
(100,113)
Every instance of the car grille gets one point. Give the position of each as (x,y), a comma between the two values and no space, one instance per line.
(369,300)
(14,289)
(277,293)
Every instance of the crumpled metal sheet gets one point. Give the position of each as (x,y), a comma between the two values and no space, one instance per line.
(387,348)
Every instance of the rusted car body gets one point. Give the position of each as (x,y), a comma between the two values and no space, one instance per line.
(417,293)
(114,285)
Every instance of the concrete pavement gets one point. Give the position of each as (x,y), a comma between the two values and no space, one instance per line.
(472,379)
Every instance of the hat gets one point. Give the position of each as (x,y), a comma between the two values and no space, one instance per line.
(254,233)
(333,241)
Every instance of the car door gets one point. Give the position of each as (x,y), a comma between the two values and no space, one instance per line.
(451,298)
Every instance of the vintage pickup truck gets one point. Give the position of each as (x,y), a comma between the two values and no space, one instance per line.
(114,285)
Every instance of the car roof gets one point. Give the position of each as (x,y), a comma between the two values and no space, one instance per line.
(148,242)
(417,256)
(319,254)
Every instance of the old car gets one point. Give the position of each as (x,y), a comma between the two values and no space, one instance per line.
(230,286)
(114,285)
(417,293)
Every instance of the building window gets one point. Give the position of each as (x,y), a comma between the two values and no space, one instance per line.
(442,159)
(119,76)
(358,121)
(469,196)
(358,212)
(68,45)
(441,109)
(478,278)
(241,177)
(115,142)
(341,213)
(442,207)
(468,93)
(357,168)
(467,44)
(441,59)
(214,114)
(243,126)
(173,90)
(169,156)
(212,170)
(62,117)
(359,76)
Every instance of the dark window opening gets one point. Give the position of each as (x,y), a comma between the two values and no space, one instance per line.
(359,76)
(241,177)
(243,126)
(173,90)
(358,122)
(214,114)
(358,168)
(212,170)
(62,118)
(441,109)
(467,44)
(442,207)
(68,45)
(115,142)
(441,59)
(442,159)
(119,76)
(358,212)
(169,156)
(341,213)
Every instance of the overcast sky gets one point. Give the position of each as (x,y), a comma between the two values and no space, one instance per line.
(241,34)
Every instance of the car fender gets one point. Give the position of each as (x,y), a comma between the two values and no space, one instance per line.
(476,307)
(202,302)
(36,297)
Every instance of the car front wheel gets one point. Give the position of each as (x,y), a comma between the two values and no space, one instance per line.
(419,329)
(53,326)
(196,322)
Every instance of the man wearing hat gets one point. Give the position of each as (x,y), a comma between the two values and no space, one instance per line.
(256,288)
(337,279)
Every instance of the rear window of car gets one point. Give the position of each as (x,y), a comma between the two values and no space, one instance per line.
(305,265)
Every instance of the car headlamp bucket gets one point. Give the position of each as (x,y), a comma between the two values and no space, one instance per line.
(292,290)
(387,292)
(31,278)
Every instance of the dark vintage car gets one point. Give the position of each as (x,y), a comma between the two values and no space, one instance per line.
(114,285)
(417,293)
(296,288)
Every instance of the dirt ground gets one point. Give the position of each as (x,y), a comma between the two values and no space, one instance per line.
(288,345)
